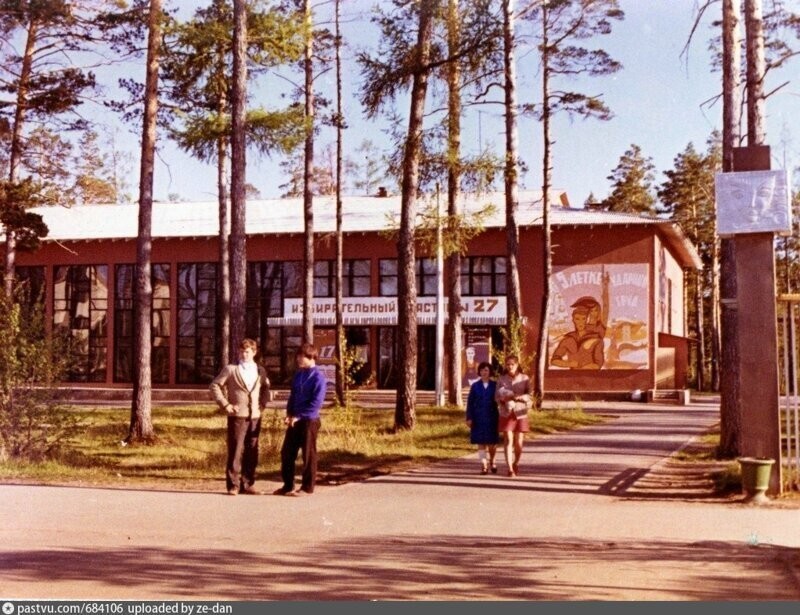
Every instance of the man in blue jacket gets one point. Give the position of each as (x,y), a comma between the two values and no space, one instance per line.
(302,422)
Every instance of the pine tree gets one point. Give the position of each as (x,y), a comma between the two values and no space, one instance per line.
(309,109)
(141,423)
(565,25)
(401,62)
(687,196)
(238,241)
(632,184)
(367,169)
(93,173)
(197,84)
(340,346)
(45,87)
(419,159)
(727,343)
(511,169)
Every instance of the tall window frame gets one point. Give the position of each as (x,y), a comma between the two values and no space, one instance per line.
(30,285)
(124,295)
(198,342)
(80,311)
(267,285)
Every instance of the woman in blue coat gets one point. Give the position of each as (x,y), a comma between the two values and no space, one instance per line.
(482,417)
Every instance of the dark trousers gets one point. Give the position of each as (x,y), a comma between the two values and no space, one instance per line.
(300,436)
(240,471)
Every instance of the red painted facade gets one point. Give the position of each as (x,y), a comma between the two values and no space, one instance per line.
(644,247)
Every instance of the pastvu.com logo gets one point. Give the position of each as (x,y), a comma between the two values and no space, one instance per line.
(8,608)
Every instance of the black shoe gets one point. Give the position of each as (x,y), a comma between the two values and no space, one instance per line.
(282,491)
(494,469)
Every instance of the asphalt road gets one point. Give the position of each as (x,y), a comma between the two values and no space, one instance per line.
(594,515)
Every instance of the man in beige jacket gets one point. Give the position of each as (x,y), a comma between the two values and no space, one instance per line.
(242,392)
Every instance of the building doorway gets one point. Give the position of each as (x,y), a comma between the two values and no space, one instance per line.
(426,358)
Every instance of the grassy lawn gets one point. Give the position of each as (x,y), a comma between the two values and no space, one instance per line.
(354,443)
(726,473)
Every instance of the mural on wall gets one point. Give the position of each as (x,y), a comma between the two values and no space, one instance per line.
(599,317)
(477,349)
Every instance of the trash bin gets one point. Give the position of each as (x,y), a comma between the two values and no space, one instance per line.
(755,478)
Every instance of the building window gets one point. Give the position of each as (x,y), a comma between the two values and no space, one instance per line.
(357,274)
(425,271)
(30,286)
(265,292)
(483,276)
(80,309)
(292,279)
(426,277)
(124,292)
(669,306)
(197,323)
(387,277)
(324,272)
(355,278)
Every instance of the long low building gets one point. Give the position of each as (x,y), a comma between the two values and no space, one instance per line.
(617,322)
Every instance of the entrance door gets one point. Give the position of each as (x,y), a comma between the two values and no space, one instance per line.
(426,358)
(387,358)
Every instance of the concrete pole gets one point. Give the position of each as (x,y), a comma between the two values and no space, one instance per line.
(758,334)
(440,394)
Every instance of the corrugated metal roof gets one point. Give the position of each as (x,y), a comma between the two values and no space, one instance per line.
(360,214)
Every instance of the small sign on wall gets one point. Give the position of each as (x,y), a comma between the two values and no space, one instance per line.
(753,202)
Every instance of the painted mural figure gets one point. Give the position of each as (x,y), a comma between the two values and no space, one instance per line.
(582,348)
(469,369)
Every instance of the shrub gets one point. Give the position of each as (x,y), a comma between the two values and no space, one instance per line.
(32,423)
(515,342)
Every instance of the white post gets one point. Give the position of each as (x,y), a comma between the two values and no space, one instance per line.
(440,398)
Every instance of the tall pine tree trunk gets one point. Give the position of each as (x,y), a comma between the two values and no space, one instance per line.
(308,178)
(700,330)
(756,67)
(730,408)
(405,407)
(224,281)
(341,381)
(238,251)
(454,329)
(224,215)
(514,306)
(546,256)
(716,350)
(15,149)
(141,423)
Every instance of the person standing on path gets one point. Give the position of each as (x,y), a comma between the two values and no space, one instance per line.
(482,417)
(242,391)
(514,400)
(302,422)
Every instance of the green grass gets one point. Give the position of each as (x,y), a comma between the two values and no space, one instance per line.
(354,443)
(727,475)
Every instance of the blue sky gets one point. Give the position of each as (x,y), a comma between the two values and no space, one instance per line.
(657,99)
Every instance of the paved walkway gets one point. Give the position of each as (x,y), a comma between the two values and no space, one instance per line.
(588,519)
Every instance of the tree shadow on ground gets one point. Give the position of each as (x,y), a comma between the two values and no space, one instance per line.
(424,567)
